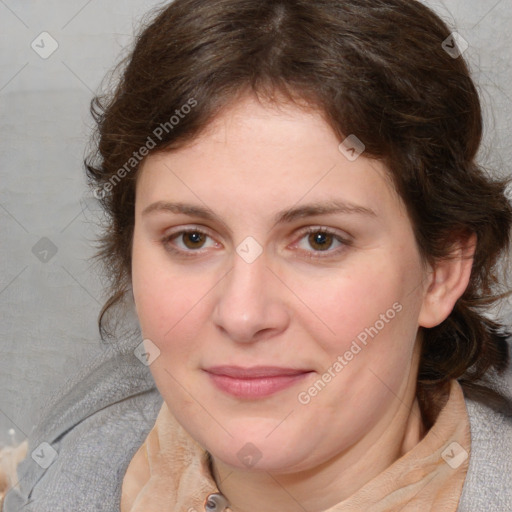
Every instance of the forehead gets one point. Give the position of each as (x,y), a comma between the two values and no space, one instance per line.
(263,156)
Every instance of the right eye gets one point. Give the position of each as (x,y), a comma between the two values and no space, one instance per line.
(187,241)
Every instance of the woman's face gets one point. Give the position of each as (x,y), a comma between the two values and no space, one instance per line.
(286,315)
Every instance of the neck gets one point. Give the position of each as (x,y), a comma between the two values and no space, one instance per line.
(328,484)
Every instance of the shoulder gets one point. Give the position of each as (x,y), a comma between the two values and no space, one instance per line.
(79,451)
(488,484)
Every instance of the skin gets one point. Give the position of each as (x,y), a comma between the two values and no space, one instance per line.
(298,305)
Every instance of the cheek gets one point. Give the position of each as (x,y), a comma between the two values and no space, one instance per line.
(356,300)
(370,319)
(169,300)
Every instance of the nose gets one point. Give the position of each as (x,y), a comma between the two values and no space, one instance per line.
(250,303)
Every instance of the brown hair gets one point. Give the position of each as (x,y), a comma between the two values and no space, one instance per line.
(377,69)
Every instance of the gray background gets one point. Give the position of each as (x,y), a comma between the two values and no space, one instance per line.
(50,302)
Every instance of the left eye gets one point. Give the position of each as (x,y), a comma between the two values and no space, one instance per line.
(321,240)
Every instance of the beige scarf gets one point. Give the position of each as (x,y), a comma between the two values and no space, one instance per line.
(170,472)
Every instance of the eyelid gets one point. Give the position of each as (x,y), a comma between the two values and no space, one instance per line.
(178,230)
(324,229)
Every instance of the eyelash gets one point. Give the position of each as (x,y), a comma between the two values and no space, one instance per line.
(167,242)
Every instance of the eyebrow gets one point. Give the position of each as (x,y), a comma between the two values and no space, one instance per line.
(285,216)
(322,208)
(184,208)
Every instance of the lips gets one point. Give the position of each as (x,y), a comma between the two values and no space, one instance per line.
(253,372)
(256,381)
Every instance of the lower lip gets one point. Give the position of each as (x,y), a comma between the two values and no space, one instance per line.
(259,387)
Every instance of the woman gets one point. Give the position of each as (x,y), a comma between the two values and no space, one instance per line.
(296,211)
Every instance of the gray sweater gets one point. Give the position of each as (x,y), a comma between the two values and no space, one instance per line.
(80,450)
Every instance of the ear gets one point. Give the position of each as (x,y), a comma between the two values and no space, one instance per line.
(447,281)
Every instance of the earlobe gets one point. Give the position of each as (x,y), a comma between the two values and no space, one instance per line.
(447,283)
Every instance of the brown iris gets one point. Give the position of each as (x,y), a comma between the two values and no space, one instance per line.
(320,241)
(194,238)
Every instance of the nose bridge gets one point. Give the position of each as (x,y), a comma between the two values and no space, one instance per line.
(248,302)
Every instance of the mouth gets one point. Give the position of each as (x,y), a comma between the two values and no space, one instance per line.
(254,382)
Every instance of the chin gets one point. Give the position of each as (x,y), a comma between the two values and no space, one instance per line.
(250,458)
(257,452)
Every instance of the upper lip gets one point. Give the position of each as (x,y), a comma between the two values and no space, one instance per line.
(253,372)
